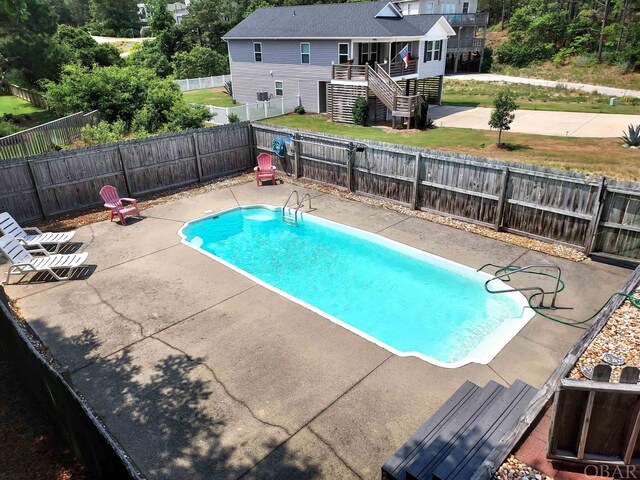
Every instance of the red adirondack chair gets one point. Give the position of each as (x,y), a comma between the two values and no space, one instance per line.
(113,202)
(265,169)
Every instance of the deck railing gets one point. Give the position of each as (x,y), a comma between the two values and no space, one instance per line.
(397,68)
(471,43)
(467,19)
(350,72)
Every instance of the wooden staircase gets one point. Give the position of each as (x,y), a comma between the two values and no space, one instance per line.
(458,438)
(391,94)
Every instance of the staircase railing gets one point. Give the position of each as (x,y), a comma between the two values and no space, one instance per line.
(382,89)
(384,75)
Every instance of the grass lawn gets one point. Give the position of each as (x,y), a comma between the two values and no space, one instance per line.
(530,97)
(592,155)
(25,114)
(210,96)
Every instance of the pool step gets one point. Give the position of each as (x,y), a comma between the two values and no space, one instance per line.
(455,441)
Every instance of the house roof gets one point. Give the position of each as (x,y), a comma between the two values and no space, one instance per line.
(343,20)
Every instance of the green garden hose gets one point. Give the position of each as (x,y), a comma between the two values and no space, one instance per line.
(633,297)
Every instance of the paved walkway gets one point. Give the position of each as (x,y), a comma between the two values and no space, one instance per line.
(201,373)
(489,77)
(572,124)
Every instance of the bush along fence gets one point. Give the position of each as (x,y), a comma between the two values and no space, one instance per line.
(69,412)
(187,84)
(253,111)
(593,214)
(47,137)
(596,215)
(35,98)
(67,181)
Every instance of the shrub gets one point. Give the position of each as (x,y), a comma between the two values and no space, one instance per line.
(521,54)
(487,60)
(146,31)
(233,118)
(584,61)
(299,110)
(431,123)
(103,132)
(7,128)
(200,62)
(228,88)
(632,137)
(360,111)
(421,115)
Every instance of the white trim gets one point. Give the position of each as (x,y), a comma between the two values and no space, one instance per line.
(359,39)
(482,354)
(254,53)
(308,53)
(349,82)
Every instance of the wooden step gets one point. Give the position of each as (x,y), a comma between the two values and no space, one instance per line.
(486,433)
(469,393)
(432,454)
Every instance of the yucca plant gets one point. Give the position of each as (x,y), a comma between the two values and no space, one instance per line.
(228,88)
(632,137)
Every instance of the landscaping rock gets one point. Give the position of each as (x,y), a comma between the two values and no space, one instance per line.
(514,469)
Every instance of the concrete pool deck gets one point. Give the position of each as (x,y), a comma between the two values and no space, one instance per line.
(200,373)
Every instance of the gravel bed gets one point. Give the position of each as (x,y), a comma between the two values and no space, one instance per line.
(621,335)
(555,250)
(514,469)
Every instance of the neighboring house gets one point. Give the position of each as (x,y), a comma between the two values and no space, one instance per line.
(178,11)
(466,50)
(332,54)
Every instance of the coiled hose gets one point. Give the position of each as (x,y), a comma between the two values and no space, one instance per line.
(633,297)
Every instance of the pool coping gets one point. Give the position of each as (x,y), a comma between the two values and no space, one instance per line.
(482,354)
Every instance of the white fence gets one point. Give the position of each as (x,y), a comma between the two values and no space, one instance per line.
(254,111)
(204,82)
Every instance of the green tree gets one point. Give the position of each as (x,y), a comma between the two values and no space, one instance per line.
(149,55)
(161,18)
(135,95)
(502,114)
(74,45)
(200,62)
(211,19)
(114,17)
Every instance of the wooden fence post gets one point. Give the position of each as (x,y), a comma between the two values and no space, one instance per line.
(592,231)
(350,161)
(252,142)
(38,192)
(130,191)
(416,182)
(502,201)
(296,155)
(198,160)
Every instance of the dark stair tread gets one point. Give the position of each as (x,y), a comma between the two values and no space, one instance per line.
(488,429)
(393,468)
(466,470)
(430,455)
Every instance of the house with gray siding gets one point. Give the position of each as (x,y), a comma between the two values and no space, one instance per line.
(331,54)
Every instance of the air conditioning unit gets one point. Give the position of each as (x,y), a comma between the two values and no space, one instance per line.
(263,96)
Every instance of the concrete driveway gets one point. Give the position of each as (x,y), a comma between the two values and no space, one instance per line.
(572,124)
(202,374)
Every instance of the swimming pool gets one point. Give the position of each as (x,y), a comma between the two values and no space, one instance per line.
(408,301)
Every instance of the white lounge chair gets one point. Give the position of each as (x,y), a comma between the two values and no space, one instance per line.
(22,262)
(8,226)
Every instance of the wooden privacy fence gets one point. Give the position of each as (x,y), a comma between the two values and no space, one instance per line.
(67,181)
(46,137)
(592,214)
(35,98)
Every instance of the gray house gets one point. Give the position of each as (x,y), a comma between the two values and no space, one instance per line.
(332,54)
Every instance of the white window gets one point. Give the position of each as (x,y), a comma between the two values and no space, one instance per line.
(448,8)
(279,88)
(432,50)
(257,52)
(430,8)
(465,7)
(343,53)
(305,53)
(410,8)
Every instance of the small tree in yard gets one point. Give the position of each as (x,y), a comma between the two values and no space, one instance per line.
(360,111)
(502,114)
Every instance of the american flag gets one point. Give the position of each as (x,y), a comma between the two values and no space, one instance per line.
(404,55)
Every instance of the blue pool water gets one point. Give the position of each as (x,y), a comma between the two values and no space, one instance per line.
(406,300)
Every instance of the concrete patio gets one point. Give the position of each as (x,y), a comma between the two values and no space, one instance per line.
(201,373)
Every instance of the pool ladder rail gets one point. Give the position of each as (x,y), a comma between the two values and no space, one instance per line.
(292,218)
(504,274)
